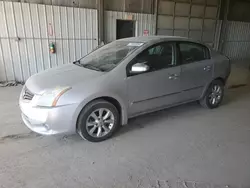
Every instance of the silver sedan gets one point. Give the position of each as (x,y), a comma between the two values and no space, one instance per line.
(97,94)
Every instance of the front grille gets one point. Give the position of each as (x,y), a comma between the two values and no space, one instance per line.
(27,95)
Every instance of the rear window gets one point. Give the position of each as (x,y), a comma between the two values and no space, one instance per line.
(192,52)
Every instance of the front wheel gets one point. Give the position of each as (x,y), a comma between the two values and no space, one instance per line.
(98,121)
(214,95)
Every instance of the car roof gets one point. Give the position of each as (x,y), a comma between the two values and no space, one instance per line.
(152,39)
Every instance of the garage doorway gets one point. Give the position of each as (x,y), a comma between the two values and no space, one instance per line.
(125,29)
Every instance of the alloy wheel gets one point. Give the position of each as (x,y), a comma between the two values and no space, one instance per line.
(216,95)
(100,122)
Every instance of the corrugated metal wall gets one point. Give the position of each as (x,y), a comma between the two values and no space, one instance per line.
(27,29)
(236,40)
(142,22)
(188,18)
(67,3)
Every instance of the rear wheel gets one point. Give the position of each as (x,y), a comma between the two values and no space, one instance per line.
(214,95)
(98,121)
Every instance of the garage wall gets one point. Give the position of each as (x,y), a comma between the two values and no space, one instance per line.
(236,40)
(235,37)
(142,22)
(136,6)
(239,10)
(67,3)
(196,19)
(26,30)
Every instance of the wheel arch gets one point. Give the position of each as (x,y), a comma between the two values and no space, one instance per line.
(221,79)
(121,107)
(208,85)
(112,101)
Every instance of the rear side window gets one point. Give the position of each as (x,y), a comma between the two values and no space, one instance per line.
(192,52)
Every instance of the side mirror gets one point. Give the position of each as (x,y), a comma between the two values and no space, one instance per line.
(139,68)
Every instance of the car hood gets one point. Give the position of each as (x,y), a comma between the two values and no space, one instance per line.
(66,75)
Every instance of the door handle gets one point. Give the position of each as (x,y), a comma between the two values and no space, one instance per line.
(207,68)
(173,76)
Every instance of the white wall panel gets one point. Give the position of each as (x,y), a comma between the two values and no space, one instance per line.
(165,32)
(195,23)
(181,33)
(208,36)
(3,75)
(18,20)
(195,35)
(181,23)
(26,19)
(165,22)
(32,59)
(59,54)
(197,10)
(18,68)
(211,12)
(195,19)
(58,23)
(203,2)
(42,19)
(182,9)
(8,8)
(213,2)
(3,25)
(166,7)
(26,30)
(209,24)
(183,1)
(39,55)
(142,22)
(7,59)
(35,23)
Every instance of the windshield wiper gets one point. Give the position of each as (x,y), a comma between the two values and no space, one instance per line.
(89,66)
(77,62)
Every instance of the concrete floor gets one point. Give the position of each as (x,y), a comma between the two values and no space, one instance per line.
(185,147)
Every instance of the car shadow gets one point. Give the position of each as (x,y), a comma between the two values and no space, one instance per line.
(153,118)
(232,95)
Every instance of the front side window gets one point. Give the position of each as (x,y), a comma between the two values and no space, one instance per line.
(191,52)
(109,56)
(157,57)
(155,50)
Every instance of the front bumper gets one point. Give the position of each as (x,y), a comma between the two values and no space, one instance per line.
(49,121)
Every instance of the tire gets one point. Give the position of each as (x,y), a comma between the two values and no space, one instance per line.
(207,100)
(90,118)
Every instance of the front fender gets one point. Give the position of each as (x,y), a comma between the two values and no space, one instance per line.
(123,104)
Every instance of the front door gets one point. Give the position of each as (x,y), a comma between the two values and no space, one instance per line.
(160,85)
(196,69)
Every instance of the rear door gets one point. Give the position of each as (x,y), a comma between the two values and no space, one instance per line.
(196,69)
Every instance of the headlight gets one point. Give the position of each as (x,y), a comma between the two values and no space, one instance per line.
(50,97)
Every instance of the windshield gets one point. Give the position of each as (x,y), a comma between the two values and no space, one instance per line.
(109,56)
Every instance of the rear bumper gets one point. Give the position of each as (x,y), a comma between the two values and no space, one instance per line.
(49,121)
